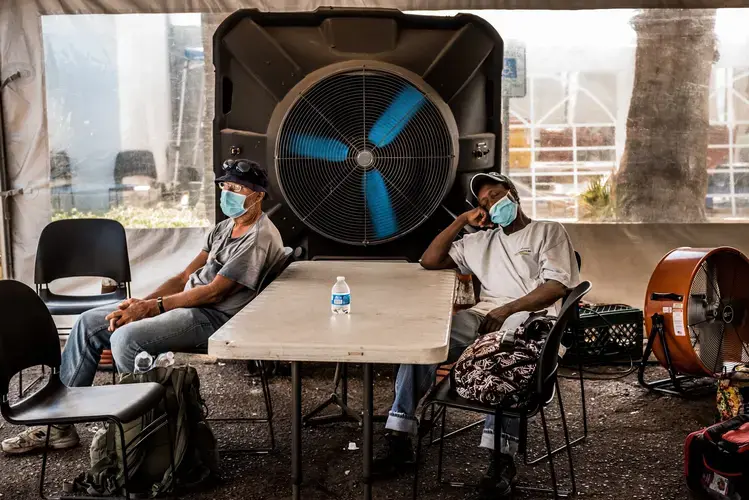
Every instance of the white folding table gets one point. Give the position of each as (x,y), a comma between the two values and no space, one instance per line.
(400,313)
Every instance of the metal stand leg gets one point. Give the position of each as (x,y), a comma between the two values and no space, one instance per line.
(672,385)
(345,414)
(296,429)
(367,431)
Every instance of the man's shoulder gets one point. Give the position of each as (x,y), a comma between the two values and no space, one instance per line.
(479,237)
(221,226)
(268,228)
(548,227)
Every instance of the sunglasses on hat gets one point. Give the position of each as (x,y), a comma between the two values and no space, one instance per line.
(237,165)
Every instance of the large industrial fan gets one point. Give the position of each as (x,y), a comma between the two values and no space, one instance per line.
(696,315)
(370,122)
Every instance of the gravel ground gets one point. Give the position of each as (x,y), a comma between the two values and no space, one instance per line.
(634,448)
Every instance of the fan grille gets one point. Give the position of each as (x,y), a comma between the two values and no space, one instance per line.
(716,342)
(368,180)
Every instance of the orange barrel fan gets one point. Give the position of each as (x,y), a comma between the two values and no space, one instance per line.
(703,295)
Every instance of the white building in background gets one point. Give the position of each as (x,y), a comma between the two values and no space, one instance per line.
(570,127)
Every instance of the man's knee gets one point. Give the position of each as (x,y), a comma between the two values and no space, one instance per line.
(125,347)
(465,326)
(90,322)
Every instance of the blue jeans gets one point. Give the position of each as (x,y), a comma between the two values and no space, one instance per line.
(174,330)
(413,381)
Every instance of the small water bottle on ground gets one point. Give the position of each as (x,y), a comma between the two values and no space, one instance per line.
(340,302)
(164,360)
(143,362)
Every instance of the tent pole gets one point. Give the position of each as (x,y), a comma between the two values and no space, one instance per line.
(5,235)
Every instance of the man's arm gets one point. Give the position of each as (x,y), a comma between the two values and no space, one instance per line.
(211,293)
(541,298)
(437,254)
(177,283)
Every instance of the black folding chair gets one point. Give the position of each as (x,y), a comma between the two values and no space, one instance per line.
(261,367)
(533,401)
(428,425)
(80,248)
(29,338)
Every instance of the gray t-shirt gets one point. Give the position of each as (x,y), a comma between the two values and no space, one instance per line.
(243,260)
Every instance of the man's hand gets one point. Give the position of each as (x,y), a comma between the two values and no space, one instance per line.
(494,320)
(132,310)
(478,217)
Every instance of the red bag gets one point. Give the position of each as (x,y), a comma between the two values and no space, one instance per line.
(716,460)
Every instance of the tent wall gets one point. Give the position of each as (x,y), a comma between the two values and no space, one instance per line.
(617,258)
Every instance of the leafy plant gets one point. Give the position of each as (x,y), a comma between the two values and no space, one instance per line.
(140,217)
(596,202)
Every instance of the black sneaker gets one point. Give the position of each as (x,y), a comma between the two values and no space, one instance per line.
(498,479)
(396,458)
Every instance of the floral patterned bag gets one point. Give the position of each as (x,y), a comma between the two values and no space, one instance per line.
(501,363)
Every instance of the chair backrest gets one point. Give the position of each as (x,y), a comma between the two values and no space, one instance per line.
(276,269)
(132,163)
(28,335)
(82,247)
(548,361)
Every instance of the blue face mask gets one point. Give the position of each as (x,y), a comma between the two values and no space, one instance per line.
(504,211)
(232,204)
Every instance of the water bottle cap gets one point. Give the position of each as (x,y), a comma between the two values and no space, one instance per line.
(341,278)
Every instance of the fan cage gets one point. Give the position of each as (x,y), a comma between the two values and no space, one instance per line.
(717,344)
(329,191)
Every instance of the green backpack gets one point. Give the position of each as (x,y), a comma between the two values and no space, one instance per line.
(195,450)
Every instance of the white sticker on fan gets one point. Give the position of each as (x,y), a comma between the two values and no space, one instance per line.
(679,324)
(666,310)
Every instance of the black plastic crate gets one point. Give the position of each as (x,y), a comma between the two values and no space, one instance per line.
(606,333)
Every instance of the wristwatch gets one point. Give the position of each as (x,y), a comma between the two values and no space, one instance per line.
(160,302)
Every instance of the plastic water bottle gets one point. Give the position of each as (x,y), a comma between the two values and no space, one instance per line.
(340,302)
(164,360)
(143,362)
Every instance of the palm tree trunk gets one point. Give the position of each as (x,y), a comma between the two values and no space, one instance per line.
(663,171)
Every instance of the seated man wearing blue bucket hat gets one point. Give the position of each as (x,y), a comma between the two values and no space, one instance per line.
(183,312)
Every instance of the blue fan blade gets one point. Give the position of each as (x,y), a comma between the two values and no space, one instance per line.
(320,148)
(381,211)
(395,118)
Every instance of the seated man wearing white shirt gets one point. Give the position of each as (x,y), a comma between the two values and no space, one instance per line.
(523,266)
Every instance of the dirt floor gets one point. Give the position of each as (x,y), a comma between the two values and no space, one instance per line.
(634,448)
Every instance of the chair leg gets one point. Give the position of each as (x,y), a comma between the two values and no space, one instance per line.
(268,402)
(551,457)
(442,445)
(582,401)
(568,445)
(125,469)
(44,463)
(416,463)
(568,442)
(171,448)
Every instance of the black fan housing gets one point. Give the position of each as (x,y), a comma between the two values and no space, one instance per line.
(370,122)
